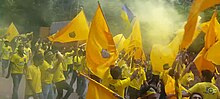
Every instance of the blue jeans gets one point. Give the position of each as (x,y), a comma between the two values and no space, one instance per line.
(16,82)
(74,77)
(48,91)
(81,86)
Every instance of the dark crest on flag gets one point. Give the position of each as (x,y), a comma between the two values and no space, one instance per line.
(105,53)
(72,34)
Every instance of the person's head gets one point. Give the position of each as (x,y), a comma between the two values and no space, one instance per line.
(21,49)
(49,56)
(196,96)
(6,43)
(155,79)
(116,72)
(207,75)
(38,59)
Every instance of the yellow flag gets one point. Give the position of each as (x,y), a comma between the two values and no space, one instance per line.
(212,55)
(12,32)
(159,56)
(119,41)
(76,30)
(166,54)
(100,49)
(98,91)
(170,87)
(135,42)
(210,38)
(202,63)
(190,27)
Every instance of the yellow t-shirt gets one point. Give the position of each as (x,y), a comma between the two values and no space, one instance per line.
(19,63)
(187,78)
(83,67)
(206,89)
(46,77)
(164,76)
(139,79)
(6,52)
(77,62)
(27,52)
(125,71)
(69,59)
(118,86)
(64,65)
(33,74)
(58,75)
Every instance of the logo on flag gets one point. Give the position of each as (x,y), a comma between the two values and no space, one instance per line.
(72,34)
(105,53)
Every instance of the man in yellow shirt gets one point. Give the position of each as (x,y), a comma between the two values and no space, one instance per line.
(33,79)
(135,85)
(205,88)
(76,65)
(27,51)
(5,56)
(47,71)
(117,84)
(17,65)
(60,80)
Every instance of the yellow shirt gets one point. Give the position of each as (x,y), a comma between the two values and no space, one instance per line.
(64,65)
(6,52)
(206,89)
(33,74)
(139,79)
(58,75)
(46,77)
(77,62)
(125,71)
(119,86)
(164,76)
(69,59)
(187,78)
(27,52)
(19,63)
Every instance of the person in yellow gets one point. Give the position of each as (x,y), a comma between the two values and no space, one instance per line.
(82,82)
(117,84)
(76,64)
(68,59)
(205,88)
(47,70)
(17,65)
(33,78)
(135,84)
(27,51)
(5,56)
(60,81)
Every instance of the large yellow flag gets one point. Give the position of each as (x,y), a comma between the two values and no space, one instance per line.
(190,27)
(135,42)
(210,38)
(119,41)
(212,55)
(161,55)
(98,91)
(100,49)
(76,30)
(12,32)
(166,54)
